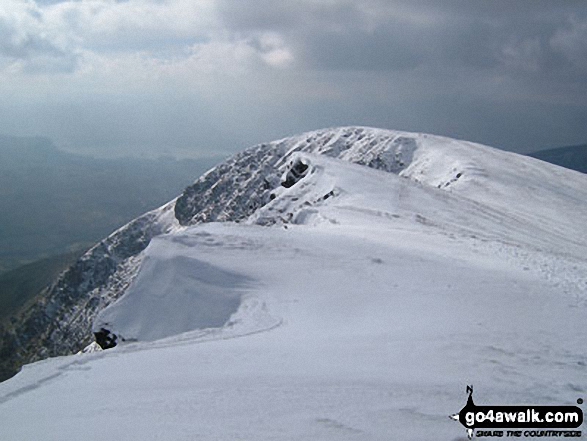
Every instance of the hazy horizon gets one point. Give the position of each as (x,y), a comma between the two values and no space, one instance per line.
(211,77)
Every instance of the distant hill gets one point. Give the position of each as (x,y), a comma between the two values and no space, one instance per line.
(574,157)
(52,202)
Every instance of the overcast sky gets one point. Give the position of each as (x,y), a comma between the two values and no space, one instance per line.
(200,77)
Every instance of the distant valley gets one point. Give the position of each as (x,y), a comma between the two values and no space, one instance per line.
(53,202)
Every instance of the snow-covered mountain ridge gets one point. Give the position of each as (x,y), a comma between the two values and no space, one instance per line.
(342,284)
(307,256)
(243,187)
(235,190)
(452,188)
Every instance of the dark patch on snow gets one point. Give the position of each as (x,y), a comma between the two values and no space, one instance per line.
(327,195)
(105,338)
(451,181)
(423,220)
(298,170)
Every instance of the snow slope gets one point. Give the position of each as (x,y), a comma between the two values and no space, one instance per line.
(357,303)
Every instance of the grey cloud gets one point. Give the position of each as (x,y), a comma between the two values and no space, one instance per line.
(48,2)
(502,72)
(572,42)
(498,10)
(15,43)
(129,26)
(258,15)
(25,40)
(384,49)
(328,35)
(512,74)
(341,35)
(505,45)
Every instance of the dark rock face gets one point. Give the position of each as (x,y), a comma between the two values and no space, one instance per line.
(235,189)
(232,190)
(297,171)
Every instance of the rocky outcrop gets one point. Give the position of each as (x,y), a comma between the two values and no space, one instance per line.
(235,189)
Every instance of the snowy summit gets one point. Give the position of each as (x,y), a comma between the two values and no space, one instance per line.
(342,284)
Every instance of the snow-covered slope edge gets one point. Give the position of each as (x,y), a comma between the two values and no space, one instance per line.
(237,188)
(366,302)
(176,292)
(243,188)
